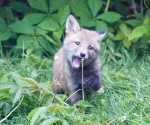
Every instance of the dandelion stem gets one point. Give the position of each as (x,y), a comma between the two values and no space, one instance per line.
(82,80)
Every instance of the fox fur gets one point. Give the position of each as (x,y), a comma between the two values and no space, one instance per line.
(79,43)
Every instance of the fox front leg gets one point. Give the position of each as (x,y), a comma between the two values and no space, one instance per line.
(92,82)
(75,93)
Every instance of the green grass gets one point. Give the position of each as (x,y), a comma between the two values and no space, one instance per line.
(126,93)
(125,100)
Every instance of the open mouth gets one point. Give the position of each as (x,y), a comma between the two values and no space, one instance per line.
(76,61)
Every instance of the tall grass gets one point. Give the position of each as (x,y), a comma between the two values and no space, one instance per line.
(125,100)
(126,97)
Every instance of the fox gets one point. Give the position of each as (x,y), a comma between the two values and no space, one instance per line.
(79,43)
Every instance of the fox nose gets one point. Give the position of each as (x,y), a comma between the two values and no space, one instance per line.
(82,55)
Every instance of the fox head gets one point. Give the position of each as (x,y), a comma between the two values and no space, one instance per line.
(81,43)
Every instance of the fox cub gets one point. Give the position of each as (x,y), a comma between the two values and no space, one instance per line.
(78,44)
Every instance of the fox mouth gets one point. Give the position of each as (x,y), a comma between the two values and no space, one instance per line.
(76,61)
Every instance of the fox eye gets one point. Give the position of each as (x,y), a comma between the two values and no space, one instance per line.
(77,43)
(90,48)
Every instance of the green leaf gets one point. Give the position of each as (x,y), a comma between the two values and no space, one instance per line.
(30,81)
(6,12)
(144,39)
(119,36)
(138,32)
(19,6)
(7,108)
(63,13)
(146,22)
(22,27)
(138,16)
(51,40)
(35,46)
(49,24)
(13,89)
(89,23)
(17,96)
(44,43)
(57,108)
(110,44)
(58,34)
(50,121)
(4,34)
(34,18)
(40,31)
(133,22)
(55,4)
(127,43)
(80,8)
(24,41)
(3,97)
(109,16)
(36,113)
(2,23)
(84,104)
(60,97)
(124,29)
(2,74)
(31,114)
(16,76)
(100,25)
(36,52)
(5,86)
(53,44)
(39,5)
(95,6)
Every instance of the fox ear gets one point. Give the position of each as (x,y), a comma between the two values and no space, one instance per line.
(72,25)
(101,34)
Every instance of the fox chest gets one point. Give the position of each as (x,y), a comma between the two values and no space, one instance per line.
(76,74)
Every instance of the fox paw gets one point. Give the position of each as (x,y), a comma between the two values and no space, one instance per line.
(92,82)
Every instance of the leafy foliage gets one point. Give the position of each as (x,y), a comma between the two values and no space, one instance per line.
(134,35)
(37,27)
